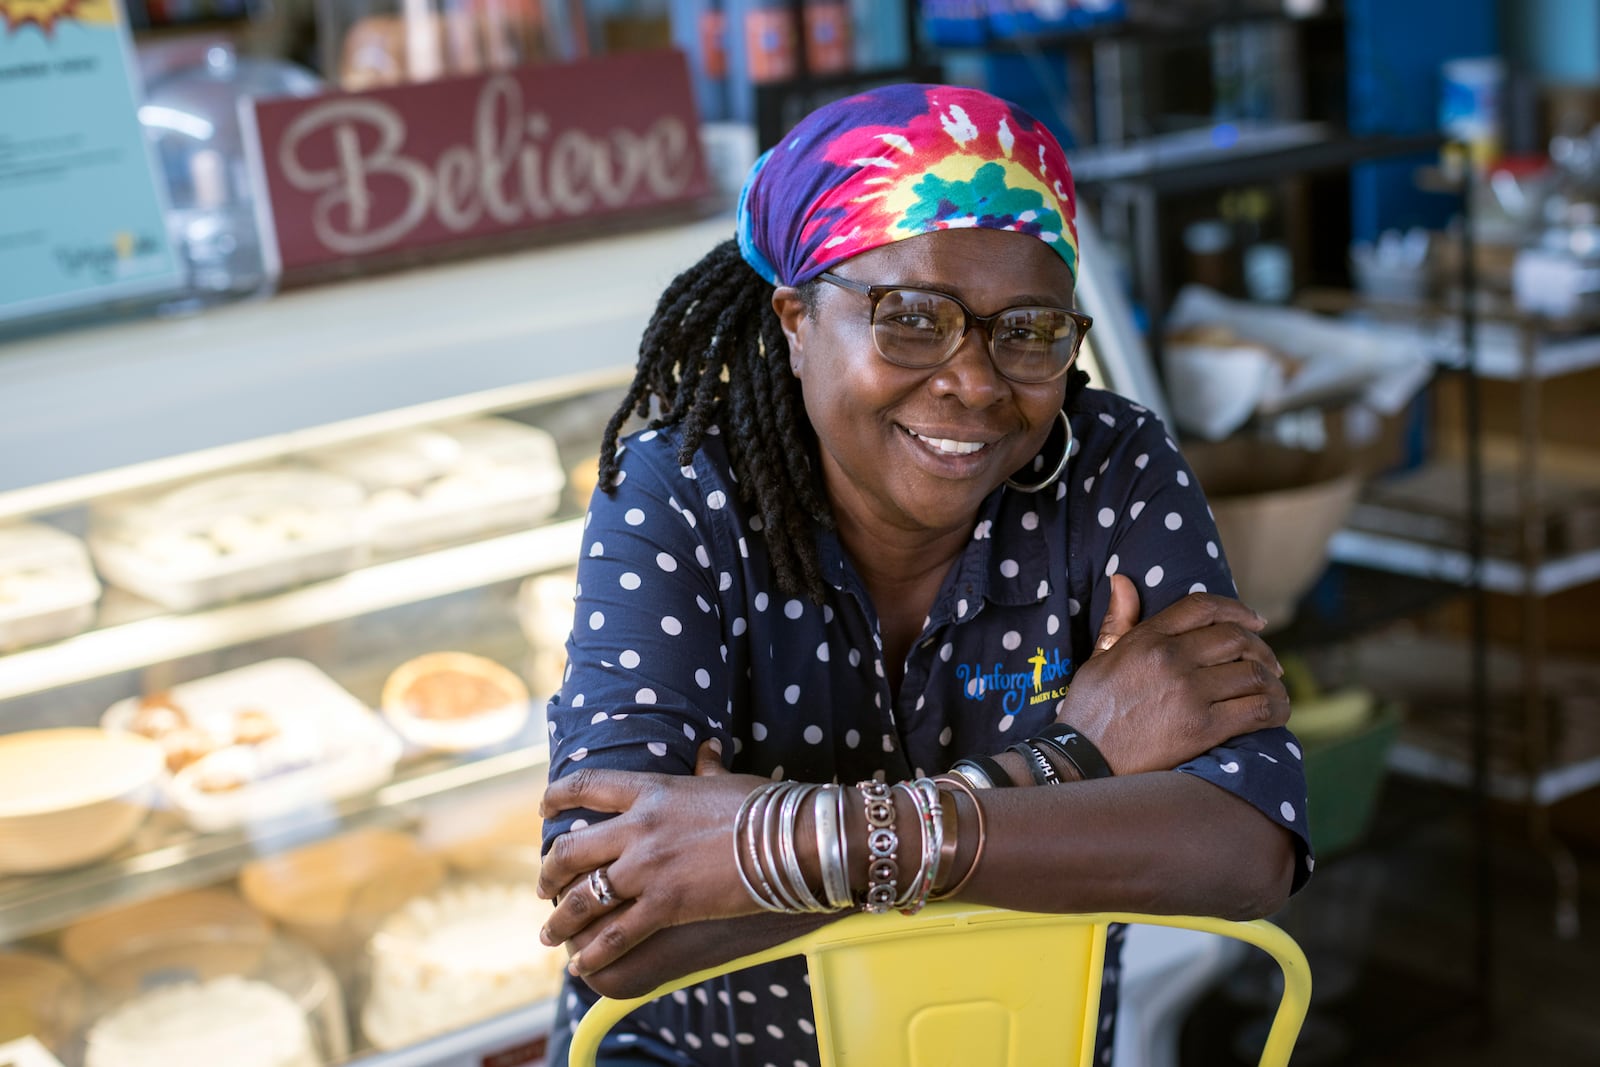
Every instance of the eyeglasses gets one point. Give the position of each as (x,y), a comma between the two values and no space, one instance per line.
(920,329)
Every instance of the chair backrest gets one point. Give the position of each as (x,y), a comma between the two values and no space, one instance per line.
(970,985)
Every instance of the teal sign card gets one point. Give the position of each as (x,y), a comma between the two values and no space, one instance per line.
(80,211)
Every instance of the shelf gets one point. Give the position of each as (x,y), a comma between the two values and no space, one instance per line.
(150,641)
(519,1036)
(1500,354)
(1153,27)
(1261,156)
(1350,601)
(1545,788)
(1561,347)
(167,856)
(1421,560)
(1539,754)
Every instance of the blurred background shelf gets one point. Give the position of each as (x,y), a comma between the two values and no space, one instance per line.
(1417,559)
(158,639)
(167,856)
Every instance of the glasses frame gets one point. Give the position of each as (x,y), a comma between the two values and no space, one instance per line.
(876,293)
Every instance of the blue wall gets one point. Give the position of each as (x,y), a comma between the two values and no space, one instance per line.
(1556,40)
(1394,53)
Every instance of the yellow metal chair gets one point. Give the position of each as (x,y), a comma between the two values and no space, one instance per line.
(959,985)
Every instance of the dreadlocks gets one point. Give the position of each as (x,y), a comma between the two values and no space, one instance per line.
(714,354)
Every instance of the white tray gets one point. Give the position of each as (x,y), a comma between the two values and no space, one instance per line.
(342,748)
(61,590)
(140,546)
(69,610)
(505,475)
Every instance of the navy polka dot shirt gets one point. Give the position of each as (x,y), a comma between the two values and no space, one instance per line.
(680,635)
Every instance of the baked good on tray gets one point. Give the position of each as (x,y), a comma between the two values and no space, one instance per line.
(232,1020)
(455,701)
(462,954)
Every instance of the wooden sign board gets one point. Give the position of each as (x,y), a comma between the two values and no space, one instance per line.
(350,179)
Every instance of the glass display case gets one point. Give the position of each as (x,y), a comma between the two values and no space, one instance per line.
(283,590)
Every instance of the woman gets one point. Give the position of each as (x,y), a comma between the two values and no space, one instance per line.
(878,530)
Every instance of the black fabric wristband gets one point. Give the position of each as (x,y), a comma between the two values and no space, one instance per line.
(1078,750)
(987,766)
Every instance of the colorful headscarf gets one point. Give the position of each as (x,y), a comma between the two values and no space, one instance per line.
(900,161)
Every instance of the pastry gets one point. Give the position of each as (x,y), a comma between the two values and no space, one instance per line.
(186,745)
(460,955)
(253,727)
(157,716)
(231,1020)
(455,701)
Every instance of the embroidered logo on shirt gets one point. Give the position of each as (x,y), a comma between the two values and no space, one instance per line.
(1045,681)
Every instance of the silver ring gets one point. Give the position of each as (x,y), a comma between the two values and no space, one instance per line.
(600,886)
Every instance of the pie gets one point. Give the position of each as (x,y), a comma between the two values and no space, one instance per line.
(455,701)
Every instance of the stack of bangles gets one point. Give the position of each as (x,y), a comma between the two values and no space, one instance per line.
(767,826)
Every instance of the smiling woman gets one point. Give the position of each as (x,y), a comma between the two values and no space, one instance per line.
(878,531)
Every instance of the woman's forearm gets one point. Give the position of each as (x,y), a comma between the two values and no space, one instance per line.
(1163,843)
(680,950)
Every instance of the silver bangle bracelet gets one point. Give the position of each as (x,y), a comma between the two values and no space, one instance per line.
(825,812)
(973,773)
(744,826)
(771,833)
(788,830)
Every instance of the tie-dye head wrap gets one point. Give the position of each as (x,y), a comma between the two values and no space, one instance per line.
(900,161)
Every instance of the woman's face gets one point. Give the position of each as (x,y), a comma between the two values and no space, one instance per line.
(884,431)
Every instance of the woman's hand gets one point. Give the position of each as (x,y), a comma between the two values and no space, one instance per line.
(1159,693)
(666,859)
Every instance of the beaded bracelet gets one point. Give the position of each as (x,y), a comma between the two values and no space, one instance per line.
(925,797)
(883,845)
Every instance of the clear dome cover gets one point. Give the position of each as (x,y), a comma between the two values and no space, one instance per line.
(191,115)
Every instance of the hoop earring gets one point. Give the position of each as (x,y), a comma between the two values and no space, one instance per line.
(1055,475)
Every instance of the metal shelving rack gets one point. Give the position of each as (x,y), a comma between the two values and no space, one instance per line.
(1529,352)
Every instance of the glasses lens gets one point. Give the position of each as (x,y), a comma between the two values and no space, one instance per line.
(915,328)
(1035,344)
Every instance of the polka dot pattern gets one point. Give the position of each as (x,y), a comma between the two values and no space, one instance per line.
(801,691)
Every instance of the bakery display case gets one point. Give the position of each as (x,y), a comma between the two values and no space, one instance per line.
(284,588)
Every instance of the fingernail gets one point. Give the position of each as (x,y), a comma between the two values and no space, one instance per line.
(573,967)
(544,937)
(716,746)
